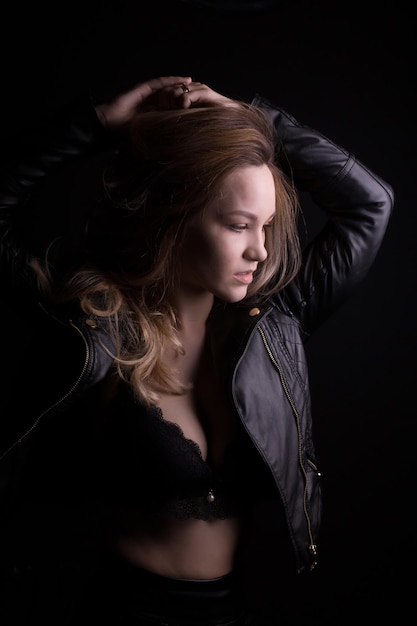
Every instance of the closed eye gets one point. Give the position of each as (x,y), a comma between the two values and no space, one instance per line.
(239,227)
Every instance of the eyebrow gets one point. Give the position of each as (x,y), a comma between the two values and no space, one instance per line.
(249,215)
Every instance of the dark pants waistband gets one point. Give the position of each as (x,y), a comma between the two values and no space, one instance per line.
(138,597)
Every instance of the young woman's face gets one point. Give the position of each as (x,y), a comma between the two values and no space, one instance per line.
(226,241)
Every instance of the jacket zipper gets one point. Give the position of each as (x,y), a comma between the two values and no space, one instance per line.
(58,402)
(312,545)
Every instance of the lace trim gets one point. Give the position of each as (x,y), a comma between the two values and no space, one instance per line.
(200,508)
(212,505)
(159,414)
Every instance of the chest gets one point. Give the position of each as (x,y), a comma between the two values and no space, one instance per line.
(203,413)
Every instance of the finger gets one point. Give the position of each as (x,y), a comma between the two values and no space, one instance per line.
(178,95)
(149,87)
(167,81)
(170,96)
(200,95)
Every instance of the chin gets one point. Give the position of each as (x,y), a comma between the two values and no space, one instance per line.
(231,298)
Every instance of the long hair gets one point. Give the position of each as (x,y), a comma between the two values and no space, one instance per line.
(171,165)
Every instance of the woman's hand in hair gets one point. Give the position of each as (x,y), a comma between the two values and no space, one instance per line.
(156,93)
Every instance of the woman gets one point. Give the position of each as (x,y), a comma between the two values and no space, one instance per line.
(168,395)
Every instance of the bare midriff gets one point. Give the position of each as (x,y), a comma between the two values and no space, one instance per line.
(192,548)
(183,548)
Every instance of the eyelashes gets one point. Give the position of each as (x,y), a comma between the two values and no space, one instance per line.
(241,227)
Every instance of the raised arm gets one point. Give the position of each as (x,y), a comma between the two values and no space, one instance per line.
(358,205)
(79,130)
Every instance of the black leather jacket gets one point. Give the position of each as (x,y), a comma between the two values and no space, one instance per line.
(259,347)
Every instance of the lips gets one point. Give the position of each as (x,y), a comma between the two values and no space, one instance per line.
(244,277)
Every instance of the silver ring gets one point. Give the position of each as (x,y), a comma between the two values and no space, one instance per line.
(185,88)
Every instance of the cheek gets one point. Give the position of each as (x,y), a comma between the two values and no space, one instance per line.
(201,246)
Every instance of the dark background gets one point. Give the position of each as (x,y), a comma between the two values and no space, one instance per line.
(347,70)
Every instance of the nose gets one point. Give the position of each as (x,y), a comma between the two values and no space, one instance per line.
(256,250)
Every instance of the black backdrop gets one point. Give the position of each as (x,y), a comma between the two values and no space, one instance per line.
(349,73)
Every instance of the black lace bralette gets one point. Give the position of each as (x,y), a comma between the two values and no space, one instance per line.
(154,468)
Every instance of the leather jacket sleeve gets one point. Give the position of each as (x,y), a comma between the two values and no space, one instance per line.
(358,205)
(31,159)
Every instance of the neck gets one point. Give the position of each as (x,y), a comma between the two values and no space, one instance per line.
(193,308)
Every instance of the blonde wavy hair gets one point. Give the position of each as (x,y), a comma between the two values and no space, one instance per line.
(168,167)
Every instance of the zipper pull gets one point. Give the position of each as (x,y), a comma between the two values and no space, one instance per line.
(313,553)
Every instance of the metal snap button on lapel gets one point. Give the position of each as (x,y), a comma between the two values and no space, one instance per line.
(254,311)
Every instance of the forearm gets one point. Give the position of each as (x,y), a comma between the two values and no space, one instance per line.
(320,167)
(30,162)
(73,132)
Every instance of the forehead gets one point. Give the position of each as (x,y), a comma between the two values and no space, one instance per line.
(250,188)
